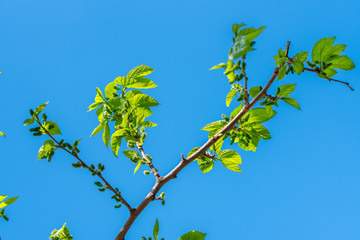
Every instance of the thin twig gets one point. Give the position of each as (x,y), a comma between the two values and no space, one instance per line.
(246,83)
(87,167)
(330,79)
(287,49)
(148,161)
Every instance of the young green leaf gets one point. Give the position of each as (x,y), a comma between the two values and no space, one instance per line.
(236,111)
(106,134)
(156,230)
(282,72)
(94,106)
(259,115)
(98,129)
(214,125)
(298,67)
(291,102)
(205,164)
(220,65)
(236,28)
(342,62)
(193,235)
(143,100)
(147,124)
(51,127)
(241,47)
(285,90)
(40,108)
(301,56)
(133,155)
(7,202)
(140,71)
(230,96)
(137,166)
(230,159)
(322,50)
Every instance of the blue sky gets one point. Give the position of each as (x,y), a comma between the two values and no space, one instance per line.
(301,184)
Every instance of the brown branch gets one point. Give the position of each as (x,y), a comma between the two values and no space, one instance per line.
(148,161)
(246,83)
(330,79)
(87,167)
(287,49)
(186,161)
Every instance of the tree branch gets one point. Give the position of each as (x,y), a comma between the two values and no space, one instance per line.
(330,79)
(87,167)
(186,161)
(148,161)
(246,82)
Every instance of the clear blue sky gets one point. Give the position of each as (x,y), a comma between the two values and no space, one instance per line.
(301,184)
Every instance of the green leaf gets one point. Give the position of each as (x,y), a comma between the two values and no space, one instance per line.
(230,96)
(259,115)
(116,141)
(261,131)
(61,234)
(298,67)
(51,127)
(8,201)
(285,90)
(98,129)
(229,71)
(94,106)
(133,155)
(254,91)
(254,34)
(236,28)
(29,121)
(106,134)
(45,149)
(110,89)
(230,159)
(322,49)
(140,71)
(99,96)
(240,48)
(205,164)
(220,65)
(291,102)
(2,134)
(2,197)
(301,56)
(137,166)
(148,124)
(156,230)
(193,235)
(282,72)
(236,110)
(342,62)
(40,108)
(143,100)
(330,72)
(337,49)
(142,83)
(214,125)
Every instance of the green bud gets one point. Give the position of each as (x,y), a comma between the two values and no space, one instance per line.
(146,172)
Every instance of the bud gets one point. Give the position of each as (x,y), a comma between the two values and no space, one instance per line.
(146,172)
